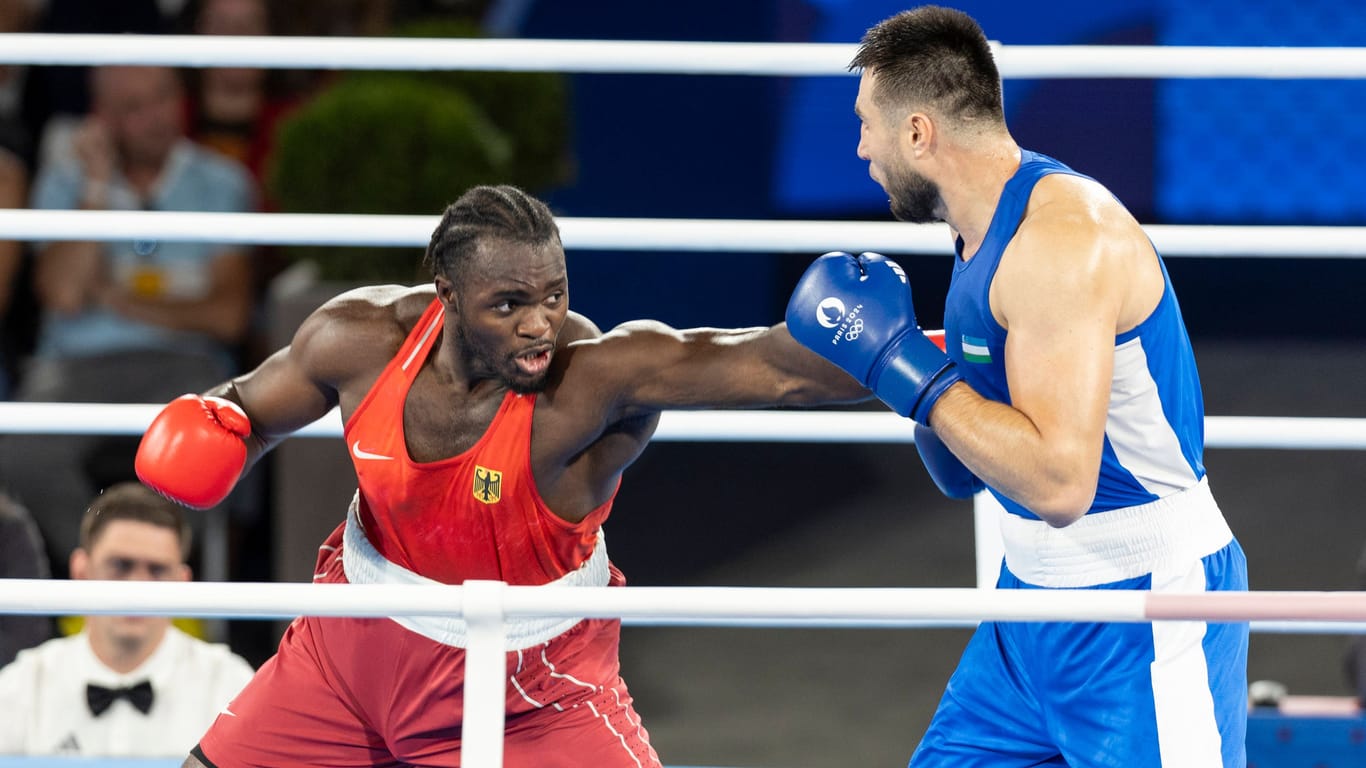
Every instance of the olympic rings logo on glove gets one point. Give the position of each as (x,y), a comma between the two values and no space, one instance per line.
(855,330)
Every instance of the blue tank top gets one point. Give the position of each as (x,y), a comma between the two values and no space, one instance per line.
(1155,427)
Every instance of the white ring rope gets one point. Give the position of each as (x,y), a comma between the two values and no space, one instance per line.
(719,606)
(658,57)
(637,234)
(1275,432)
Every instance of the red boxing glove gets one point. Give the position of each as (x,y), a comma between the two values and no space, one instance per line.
(193,452)
(938,338)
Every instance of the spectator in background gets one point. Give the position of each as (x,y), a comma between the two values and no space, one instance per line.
(21,557)
(124,685)
(234,110)
(55,97)
(343,18)
(13,194)
(125,322)
(15,129)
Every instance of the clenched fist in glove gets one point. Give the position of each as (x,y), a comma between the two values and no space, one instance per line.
(193,452)
(856,312)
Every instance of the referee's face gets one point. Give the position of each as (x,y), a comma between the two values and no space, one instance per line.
(130,550)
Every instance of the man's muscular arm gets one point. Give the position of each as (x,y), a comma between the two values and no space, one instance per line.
(229,427)
(1059,292)
(348,341)
(646,366)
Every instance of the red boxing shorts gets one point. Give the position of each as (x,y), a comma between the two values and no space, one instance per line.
(347,692)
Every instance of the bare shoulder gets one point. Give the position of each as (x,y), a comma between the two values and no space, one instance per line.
(639,328)
(578,328)
(359,330)
(642,353)
(1062,201)
(620,343)
(594,364)
(1075,241)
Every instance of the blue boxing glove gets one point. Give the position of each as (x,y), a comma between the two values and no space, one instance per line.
(953,478)
(856,312)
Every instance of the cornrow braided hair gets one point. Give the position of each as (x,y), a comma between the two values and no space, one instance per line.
(502,212)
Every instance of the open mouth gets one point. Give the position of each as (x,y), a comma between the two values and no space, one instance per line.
(534,362)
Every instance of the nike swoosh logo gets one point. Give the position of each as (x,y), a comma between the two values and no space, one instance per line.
(360,454)
(228,712)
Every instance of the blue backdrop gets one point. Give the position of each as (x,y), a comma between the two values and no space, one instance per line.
(1197,151)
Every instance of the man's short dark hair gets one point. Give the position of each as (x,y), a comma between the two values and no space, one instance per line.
(932,56)
(134,501)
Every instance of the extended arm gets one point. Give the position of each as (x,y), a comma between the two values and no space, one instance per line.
(1061,293)
(856,311)
(647,366)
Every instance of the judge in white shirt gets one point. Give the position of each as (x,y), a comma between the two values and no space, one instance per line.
(124,685)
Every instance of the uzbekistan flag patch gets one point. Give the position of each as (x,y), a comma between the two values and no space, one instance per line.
(975,350)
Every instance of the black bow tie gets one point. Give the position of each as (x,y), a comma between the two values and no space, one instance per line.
(99,698)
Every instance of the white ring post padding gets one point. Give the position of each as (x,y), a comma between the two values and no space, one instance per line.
(485,694)
(637,234)
(989,544)
(657,57)
(802,426)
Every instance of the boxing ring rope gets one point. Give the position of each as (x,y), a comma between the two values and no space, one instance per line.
(658,57)
(639,234)
(780,426)
(843,607)
(486,605)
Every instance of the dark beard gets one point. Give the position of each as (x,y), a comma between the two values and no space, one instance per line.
(486,362)
(527,386)
(915,199)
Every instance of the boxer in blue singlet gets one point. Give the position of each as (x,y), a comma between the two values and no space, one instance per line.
(1069,391)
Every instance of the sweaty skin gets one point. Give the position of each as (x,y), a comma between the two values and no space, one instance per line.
(1078,272)
(510,326)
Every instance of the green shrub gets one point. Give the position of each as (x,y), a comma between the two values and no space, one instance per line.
(532,108)
(410,143)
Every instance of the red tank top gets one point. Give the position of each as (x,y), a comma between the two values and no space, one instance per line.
(477,515)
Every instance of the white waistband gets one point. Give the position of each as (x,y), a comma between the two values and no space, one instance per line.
(1118,544)
(365,565)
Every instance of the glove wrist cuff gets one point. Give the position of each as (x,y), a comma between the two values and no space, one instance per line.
(914,376)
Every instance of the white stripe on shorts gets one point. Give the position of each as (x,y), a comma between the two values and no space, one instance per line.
(1187,730)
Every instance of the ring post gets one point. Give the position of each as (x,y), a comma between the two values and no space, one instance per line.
(990,547)
(485,668)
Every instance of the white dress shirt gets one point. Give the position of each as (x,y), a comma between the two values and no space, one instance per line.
(43,709)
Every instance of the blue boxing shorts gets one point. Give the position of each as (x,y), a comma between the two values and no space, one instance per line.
(1093,695)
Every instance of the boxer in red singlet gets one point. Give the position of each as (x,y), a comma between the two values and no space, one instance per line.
(489,427)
